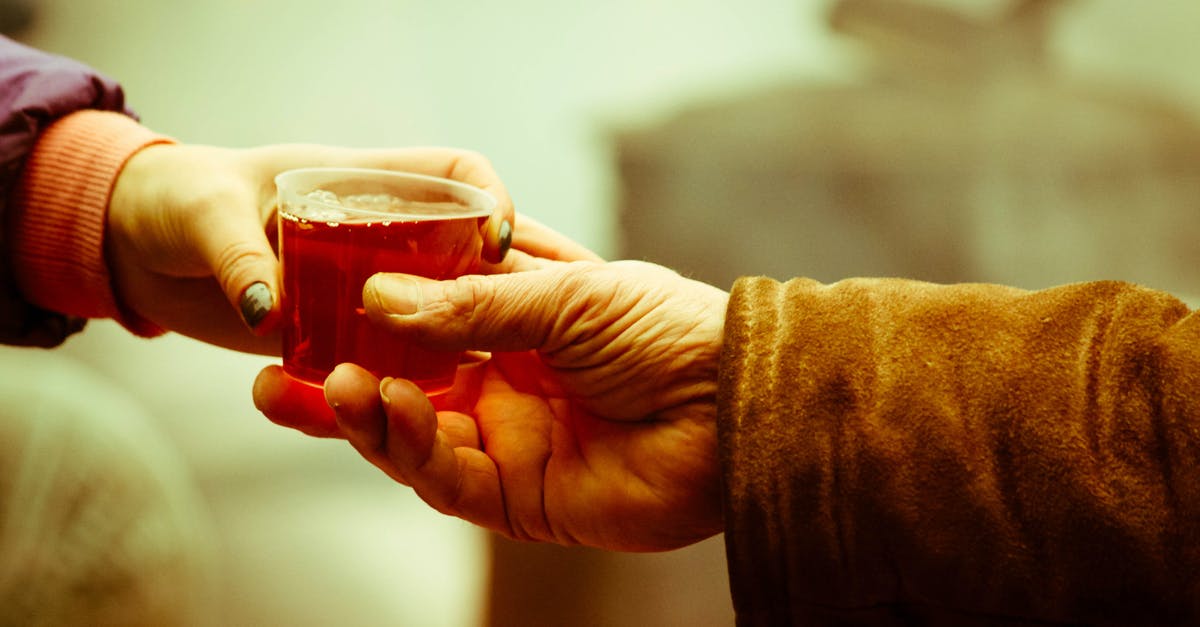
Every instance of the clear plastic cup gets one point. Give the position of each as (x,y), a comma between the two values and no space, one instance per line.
(339,226)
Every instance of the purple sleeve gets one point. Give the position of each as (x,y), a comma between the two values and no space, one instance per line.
(37,88)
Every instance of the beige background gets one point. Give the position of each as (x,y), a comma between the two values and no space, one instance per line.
(310,534)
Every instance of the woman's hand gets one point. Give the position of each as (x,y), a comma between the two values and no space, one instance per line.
(592,422)
(190,230)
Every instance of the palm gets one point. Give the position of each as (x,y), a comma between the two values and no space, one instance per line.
(570,475)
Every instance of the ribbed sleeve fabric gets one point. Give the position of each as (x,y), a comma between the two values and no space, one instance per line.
(59,215)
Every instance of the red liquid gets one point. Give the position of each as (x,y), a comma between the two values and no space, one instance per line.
(324,269)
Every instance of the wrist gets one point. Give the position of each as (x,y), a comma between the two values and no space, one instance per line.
(706,340)
(59,213)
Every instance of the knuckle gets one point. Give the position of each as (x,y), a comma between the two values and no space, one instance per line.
(212,203)
(471,296)
(578,283)
(473,159)
(236,262)
(470,165)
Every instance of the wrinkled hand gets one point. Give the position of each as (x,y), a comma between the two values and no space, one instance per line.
(592,422)
(190,230)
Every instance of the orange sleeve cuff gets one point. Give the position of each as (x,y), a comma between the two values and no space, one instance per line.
(59,213)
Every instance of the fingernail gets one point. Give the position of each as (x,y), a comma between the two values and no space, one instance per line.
(256,303)
(383,383)
(505,238)
(397,296)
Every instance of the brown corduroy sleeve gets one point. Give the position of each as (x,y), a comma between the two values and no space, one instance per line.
(897,452)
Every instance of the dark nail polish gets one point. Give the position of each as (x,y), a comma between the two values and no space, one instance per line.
(256,303)
(505,238)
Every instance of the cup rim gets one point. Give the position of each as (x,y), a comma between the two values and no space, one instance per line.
(460,189)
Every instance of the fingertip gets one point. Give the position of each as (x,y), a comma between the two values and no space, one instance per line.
(383,391)
(401,393)
(234,246)
(498,236)
(412,419)
(505,235)
(345,374)
(264,389)
(349,392)
(258,307)
(294,404)
(393,294)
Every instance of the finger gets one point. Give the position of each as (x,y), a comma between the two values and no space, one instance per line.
(459,429)
(234,245)
(461,481)
(353,393)
(497,236)
(539,240)
(502,312)
(179,312)
(475,169)
(516,261)
(536,246)
(294,404)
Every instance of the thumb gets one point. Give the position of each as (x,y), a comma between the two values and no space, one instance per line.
(500,312)
(236,251)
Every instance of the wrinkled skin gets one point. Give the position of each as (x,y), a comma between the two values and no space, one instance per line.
(591,419)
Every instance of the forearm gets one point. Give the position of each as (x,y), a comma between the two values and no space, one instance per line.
(897,448)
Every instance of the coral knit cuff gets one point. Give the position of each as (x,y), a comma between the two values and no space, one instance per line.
(60,210)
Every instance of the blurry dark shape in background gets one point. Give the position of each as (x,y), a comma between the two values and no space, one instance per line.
(16,16)
(909,36)
(961,153)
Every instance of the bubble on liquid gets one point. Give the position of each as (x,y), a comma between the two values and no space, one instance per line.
(372,202)
(321,210)
(317,213)
(323,195)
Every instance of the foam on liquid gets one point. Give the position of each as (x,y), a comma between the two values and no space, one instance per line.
(386,206)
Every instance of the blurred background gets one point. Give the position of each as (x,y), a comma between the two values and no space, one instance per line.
(1025,142)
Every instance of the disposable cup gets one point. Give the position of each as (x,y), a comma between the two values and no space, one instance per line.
(339,226)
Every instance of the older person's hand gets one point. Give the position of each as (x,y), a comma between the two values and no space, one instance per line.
(591,422)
